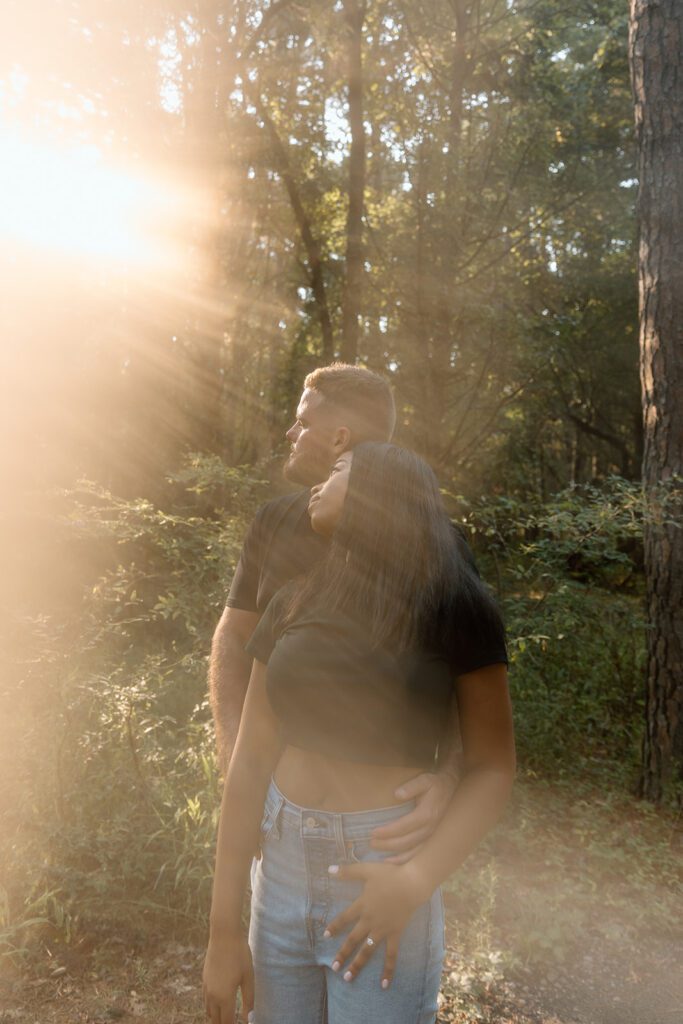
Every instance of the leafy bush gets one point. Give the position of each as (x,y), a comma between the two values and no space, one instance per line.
(568,574)
(110,794)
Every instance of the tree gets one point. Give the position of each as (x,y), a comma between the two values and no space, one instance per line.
(656,52)
(442,191)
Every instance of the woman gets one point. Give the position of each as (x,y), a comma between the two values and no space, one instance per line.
(355,669)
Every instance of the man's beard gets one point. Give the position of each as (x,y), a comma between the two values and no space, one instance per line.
(300,470)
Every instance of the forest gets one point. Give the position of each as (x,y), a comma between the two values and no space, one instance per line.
(202,202)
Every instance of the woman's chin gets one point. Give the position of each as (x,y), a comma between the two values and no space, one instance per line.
(319,524)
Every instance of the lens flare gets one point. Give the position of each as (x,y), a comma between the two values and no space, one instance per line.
(68,201)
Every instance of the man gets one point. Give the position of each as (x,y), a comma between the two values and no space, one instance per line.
(340,406)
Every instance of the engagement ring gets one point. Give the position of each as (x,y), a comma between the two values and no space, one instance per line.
(369,941)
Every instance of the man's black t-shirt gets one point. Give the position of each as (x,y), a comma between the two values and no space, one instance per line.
(279,546)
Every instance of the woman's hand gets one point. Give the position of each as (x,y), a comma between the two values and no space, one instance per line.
(432,792)
(227,969)
(390,896)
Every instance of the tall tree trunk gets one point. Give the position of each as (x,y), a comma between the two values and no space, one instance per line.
(656,53)
(354,15)
(203,140)
(437,373)
(311,245)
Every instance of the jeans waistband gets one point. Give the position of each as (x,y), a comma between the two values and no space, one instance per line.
(312,820)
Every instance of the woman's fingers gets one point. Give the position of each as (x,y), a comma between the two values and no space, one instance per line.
(353,940)
(220,1013)
(364,954)
(390,956)
(212,1007)
(366,951)
(351,872)
(343,920)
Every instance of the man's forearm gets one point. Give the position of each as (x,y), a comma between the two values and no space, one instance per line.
(474,809)
(229,669)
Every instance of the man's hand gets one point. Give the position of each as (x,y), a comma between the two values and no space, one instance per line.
(404,836)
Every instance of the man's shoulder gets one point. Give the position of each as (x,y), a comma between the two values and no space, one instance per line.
(285,508)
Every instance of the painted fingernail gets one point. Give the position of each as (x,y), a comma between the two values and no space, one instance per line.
(333,869)
(327,934)
(336,965)
(385,983)
(250,1017)
(348,976)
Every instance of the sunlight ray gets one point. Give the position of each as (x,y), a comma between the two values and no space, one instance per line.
(67,200)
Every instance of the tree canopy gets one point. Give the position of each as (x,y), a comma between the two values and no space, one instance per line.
(443,193)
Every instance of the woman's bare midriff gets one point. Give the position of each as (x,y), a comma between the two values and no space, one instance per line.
(330,784)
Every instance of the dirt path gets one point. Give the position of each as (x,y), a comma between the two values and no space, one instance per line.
(162,985)
(587,885)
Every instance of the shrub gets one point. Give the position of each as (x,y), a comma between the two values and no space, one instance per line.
(110,794)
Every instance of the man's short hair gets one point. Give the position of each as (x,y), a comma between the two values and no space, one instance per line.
(364,395)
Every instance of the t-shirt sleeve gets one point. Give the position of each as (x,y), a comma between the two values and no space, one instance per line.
(267,633)
(474,637)
(244,587)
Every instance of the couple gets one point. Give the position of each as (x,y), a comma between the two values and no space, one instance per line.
(372,646)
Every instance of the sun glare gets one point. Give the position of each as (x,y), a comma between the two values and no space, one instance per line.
(67,201)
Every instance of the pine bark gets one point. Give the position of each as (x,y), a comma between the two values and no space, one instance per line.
(656,55)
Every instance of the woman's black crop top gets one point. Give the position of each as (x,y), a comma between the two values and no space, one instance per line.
(337,694)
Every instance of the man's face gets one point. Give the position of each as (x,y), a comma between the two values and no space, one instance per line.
(314,440)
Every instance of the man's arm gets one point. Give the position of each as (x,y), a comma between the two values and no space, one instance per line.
(432,792)
(229,671)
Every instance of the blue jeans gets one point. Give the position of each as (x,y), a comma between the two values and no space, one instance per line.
(293,899)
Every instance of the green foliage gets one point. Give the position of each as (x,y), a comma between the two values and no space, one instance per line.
(569,577)
(498,264)
(112,782)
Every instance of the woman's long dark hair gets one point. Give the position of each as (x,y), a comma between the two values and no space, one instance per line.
(394,561)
